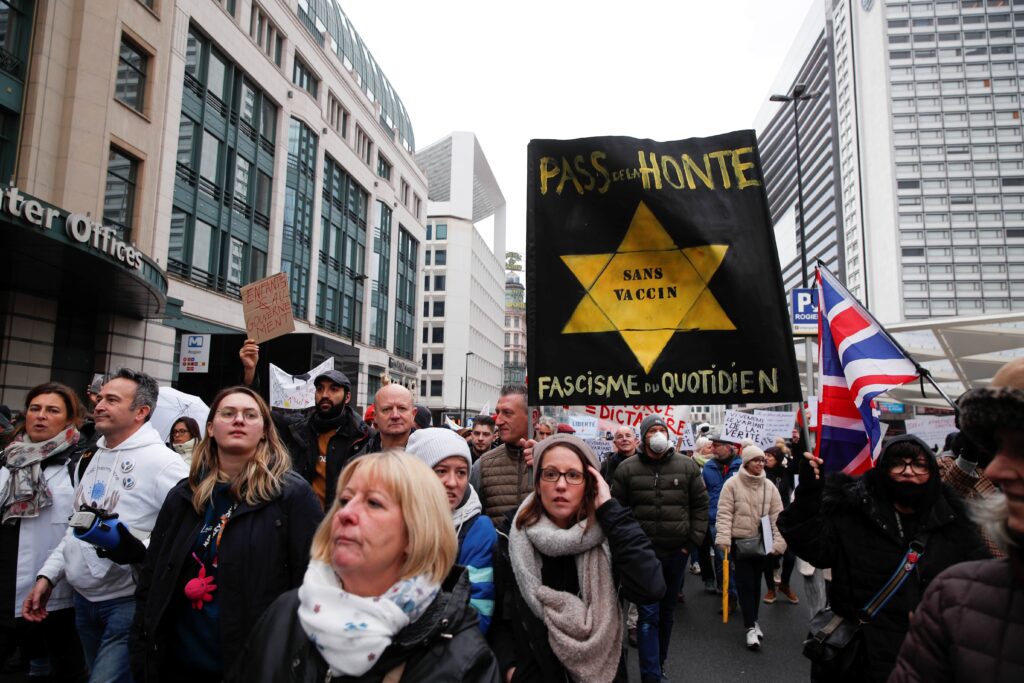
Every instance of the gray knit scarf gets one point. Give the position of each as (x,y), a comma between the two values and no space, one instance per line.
(585,634)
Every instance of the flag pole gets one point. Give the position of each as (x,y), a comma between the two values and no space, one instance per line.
(924,372)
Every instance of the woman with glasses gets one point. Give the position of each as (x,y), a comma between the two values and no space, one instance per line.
(229,539)
(866,529)
(185,435)
(746,501)
(572,554)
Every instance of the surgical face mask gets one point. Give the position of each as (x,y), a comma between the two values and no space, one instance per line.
(659,442)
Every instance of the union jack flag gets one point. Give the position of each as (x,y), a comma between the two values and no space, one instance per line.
(857,361)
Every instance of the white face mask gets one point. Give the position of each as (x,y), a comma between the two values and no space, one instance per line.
(659,442)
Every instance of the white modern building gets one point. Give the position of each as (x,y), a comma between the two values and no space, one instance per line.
(463,279)
(931,155)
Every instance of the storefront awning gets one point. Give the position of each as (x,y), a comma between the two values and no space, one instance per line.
(45,251)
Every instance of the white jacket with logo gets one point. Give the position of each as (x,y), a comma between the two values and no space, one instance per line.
(132,480)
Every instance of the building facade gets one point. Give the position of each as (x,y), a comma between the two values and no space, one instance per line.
(514,368)
(462,279)
(220,142)
(931,155)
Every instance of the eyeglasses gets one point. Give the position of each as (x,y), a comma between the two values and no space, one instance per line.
(249,415)
(179,432)
(761,460)
(916,466)
(572,477)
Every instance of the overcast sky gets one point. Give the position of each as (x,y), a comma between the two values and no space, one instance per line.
(513,71)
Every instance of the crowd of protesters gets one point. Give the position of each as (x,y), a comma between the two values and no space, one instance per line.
(265,546)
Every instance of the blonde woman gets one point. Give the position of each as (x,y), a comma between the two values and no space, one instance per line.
(230,538)
(380,600)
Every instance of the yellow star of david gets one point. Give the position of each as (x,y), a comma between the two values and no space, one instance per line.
(648,289)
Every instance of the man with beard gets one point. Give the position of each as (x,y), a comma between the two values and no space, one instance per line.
(483,436)
(322,442)
(866,528)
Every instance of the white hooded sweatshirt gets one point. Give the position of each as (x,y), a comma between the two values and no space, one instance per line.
(132,480)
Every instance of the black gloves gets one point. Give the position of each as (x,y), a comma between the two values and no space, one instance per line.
(129,550)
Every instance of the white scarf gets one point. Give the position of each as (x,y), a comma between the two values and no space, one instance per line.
(351,632)
(467,510)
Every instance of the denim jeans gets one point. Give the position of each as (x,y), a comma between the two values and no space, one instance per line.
(654,621)
(103,628)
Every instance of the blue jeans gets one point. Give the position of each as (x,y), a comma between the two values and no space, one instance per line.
(718,562)
(654,621)
(103,628)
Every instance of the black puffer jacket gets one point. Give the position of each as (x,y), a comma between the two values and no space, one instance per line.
(849,525)
(968,627)
(444,645)
(520,639)
(302,440)
(667,496)
(264,552)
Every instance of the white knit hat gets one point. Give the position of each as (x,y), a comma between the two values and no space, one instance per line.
(434,444)
(751,452)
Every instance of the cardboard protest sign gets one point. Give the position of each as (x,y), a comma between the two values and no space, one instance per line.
(739,426)
(295,392)
(609,418)
(932,429)
(777,423)
(267,308)
(657,274)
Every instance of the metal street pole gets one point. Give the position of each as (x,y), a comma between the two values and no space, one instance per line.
(465,402)
(800,94)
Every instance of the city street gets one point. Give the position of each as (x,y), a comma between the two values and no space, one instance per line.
(705,650)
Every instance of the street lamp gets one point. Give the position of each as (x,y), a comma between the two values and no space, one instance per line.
(798,95)
(465,398)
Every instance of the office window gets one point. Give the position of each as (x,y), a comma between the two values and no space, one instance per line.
(303,77)
(435,387)
(440,257)
(405,296)
(404,193)
(300,188)
(266,34)
(132,64)
(364,147)
(338,115)
(438,309)
(439,283)
(119,198)
(417,204)
(383,167)
(441,231)
(379,296)
(437,361)
(437,335)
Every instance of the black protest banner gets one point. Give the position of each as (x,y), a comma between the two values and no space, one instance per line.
(652,274)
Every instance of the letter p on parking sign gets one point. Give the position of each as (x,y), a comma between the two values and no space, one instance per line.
(804,311)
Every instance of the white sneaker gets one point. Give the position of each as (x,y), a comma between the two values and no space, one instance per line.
(753,642)
(757,629)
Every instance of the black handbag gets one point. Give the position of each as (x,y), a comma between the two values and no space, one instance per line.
(833,641)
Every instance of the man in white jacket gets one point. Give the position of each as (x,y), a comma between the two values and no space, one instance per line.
(129,476)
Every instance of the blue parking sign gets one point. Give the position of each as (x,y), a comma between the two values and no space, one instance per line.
(804,310)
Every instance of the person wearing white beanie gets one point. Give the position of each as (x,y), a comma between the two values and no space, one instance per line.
(447,453)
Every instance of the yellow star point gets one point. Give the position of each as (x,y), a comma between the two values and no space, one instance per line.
(647,289)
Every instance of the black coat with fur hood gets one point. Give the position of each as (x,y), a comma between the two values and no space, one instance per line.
(849,525)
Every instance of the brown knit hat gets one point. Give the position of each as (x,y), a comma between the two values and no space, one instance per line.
(999,405)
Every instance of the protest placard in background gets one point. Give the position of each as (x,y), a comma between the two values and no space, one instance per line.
(267,308)
(932,429)
(739,426)
(777,423)
(295,392)
(609,418)
(585,425)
